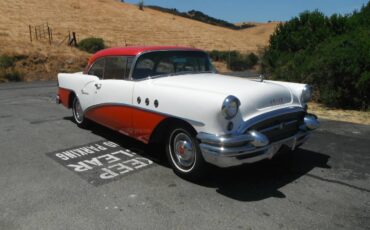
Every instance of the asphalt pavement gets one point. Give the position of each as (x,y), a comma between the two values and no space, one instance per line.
(54,175)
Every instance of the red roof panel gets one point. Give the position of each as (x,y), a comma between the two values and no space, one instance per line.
(135,50)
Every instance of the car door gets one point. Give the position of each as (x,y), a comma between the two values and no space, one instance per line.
(113,96)
(88,90)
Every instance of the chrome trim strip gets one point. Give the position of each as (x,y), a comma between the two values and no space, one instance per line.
(277,126)
(224,141)
(230,152)
(193,122)
(252,138)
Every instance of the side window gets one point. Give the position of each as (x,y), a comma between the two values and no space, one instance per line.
(115,67)
(144,68)
(165,66)
(98,68)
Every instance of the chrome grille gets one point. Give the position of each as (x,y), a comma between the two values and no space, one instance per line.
(280,127)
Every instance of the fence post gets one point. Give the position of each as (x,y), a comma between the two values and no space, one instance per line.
(36,33)
(29,26)
(229,57)
(49,35)
(74,39)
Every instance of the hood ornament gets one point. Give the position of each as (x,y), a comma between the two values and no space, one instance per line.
(262,77)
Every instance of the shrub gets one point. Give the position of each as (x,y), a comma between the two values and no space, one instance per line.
(7,61)
(10,76)
(331,53)
(91,45)
(13,76)
(251,59)
(236,61)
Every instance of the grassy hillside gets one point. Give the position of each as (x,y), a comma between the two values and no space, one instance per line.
(202,17)
(117,23)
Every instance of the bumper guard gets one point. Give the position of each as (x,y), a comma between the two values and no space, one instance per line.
(227,151)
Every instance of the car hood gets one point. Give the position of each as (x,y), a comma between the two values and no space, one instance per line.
(251,93)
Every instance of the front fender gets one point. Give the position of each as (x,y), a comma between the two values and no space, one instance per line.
(200,109)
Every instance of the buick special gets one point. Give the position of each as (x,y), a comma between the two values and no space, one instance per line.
(173,95)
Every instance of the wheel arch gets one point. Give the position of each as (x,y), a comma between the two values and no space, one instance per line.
(161,130)
(72,96)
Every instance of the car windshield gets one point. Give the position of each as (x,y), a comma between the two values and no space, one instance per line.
(169,63)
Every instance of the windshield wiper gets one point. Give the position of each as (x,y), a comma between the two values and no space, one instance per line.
(178,73)
(188,72)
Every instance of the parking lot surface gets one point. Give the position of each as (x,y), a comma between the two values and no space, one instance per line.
(44,185)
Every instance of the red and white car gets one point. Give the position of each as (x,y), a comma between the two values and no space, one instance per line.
(173,95)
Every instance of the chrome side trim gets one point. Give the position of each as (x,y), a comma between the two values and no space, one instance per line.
(193,122)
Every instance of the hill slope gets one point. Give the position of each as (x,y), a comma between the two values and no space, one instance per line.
(118,24)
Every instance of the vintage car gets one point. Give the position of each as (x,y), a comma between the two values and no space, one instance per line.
(173,95)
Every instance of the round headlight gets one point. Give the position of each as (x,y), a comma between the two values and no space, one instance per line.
(230,107)
(306,94)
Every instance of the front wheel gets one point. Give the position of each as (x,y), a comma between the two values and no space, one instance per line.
(78,114)
(184,154)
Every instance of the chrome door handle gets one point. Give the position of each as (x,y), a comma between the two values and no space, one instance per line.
(98,86)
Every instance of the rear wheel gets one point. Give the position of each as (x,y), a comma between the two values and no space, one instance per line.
(78,114)
(184,154)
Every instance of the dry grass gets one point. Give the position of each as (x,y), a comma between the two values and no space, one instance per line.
(359,117)
(117,23)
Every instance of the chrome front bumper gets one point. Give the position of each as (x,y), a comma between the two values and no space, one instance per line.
(227,151)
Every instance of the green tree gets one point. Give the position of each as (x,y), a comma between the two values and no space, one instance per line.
(331,53)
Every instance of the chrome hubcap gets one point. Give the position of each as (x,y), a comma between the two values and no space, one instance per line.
(184,151)
(78,111)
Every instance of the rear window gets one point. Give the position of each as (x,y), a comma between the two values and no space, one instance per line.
(115,67)
(97,68)
(112,67)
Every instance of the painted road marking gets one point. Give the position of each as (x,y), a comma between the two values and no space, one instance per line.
(101,162)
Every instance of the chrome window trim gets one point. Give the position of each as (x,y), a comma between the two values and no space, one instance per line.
(164,50)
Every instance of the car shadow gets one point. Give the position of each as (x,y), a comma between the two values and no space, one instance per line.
(153,152)
(249,182)
(258,181)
